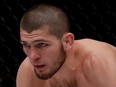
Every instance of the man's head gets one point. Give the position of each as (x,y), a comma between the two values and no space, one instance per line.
(45,39)
(45,15)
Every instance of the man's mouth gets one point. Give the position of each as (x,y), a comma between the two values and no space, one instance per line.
(39,66)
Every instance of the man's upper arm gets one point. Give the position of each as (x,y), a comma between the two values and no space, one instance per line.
(100,69)
(24,78)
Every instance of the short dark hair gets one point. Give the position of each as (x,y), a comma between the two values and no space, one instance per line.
(45,15)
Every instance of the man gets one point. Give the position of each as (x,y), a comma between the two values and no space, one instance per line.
(55,59)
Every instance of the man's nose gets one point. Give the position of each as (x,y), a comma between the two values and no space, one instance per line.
(33,54)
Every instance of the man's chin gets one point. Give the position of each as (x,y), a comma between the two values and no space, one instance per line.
(43,76)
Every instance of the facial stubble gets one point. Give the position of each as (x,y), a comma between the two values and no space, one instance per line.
(56,66)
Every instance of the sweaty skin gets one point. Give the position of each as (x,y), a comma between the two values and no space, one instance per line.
(88,63)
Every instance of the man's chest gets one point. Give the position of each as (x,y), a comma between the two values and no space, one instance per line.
(63,83)
(80,81)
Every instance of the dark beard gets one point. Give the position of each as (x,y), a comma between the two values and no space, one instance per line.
(56,66)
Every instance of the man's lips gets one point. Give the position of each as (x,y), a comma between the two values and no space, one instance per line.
(39,66)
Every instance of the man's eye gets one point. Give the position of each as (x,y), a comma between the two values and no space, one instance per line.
(25,45)
(42,44)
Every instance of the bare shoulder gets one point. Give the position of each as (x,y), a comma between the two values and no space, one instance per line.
(24,74)
(95,46)
(99,63)
(98,49)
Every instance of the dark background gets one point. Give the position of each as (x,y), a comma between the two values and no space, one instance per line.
(94,19)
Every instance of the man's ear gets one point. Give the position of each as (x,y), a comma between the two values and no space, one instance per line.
(67,40)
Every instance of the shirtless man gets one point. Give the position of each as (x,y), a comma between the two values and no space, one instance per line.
(55,59)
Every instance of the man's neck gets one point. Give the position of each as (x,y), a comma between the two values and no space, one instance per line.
(66,74)
(69,65)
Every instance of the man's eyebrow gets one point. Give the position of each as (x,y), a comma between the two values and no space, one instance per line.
(22,41)
(40,40)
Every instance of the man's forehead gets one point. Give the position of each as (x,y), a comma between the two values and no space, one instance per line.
(35,33)
(42,29)
(35,41)
(36,37)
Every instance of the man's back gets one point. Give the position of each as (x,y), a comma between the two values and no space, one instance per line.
(96,68)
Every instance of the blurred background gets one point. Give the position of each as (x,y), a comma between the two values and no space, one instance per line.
(94,19)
